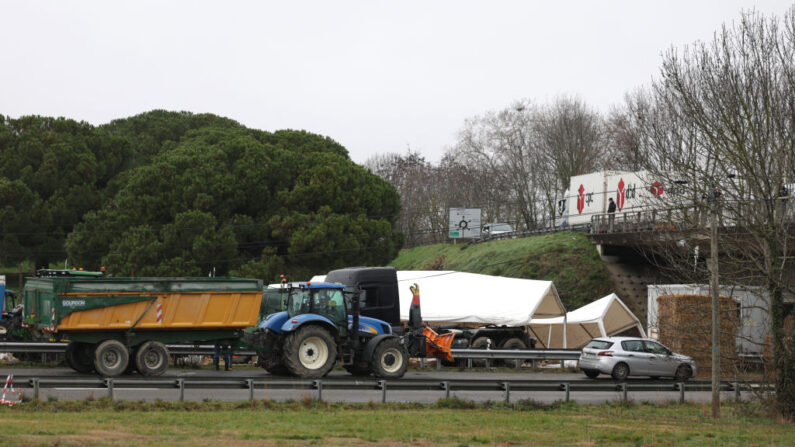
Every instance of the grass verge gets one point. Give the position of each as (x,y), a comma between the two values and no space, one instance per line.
(449,422)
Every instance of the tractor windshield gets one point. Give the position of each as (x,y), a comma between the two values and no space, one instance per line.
(327,302)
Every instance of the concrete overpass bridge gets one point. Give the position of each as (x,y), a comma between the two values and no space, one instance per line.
(642,248)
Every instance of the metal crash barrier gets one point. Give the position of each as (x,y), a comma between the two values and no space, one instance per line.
(318,386)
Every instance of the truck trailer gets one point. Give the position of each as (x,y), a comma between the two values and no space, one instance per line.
(116,325)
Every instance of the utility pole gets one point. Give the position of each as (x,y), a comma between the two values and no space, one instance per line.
(714,285)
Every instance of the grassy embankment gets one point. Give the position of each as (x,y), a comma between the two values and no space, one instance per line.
(568,259)
(448,423)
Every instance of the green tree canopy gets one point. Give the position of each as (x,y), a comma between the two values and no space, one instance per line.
(236,200)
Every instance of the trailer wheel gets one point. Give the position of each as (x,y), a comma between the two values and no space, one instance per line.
(513,344)
(480,343)
(309,352)
(390,359)
(79,357)
(273,364)
(151,359)
(111,358)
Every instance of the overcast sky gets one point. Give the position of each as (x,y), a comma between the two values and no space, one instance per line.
(375,76)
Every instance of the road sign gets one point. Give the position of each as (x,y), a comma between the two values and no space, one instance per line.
(464,223)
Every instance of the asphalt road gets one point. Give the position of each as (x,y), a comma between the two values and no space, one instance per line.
(194,394)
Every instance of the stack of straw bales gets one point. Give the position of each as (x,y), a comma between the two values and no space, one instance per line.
(685,323)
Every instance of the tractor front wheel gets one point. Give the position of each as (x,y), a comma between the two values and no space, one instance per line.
(390,359)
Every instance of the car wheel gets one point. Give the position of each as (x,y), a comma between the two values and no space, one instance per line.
(592,373)
(683,372)
(620,371)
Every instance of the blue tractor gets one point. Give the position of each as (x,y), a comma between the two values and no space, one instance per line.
(317,330)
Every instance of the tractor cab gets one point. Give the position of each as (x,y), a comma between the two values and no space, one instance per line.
(327,300)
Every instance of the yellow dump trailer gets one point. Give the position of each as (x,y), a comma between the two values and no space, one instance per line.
(164,311)
(115,325)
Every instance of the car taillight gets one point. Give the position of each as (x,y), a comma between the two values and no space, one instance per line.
(605,354)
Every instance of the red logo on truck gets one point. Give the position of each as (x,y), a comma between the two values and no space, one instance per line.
(581,199)
(620,195)
(656,189)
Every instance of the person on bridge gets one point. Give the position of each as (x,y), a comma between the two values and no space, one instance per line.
(611,209)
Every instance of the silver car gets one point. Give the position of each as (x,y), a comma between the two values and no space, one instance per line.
(629,356)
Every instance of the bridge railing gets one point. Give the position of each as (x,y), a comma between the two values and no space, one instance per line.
(685,218)
(649,220)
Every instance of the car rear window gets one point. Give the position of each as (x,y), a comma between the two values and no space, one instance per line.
(599,344)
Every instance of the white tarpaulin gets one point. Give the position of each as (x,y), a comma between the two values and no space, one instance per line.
(604,317)
(461,297)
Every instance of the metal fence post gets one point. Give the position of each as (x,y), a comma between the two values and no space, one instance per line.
(250,383)
(36,388)
(567,388)
(438,364)
(681,386)
(422,363)
(181,385)
(507,386)
(446,387)
(109,383)
(382,384)
(736,391)
(624,391)
(319,385)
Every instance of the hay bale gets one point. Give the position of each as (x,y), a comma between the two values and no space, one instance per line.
(685,324)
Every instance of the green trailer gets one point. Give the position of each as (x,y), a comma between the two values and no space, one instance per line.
(115,325)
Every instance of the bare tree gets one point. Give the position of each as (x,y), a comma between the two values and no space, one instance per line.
(623,138)
(571,142)
(571,138)
(503,144)
(721,117)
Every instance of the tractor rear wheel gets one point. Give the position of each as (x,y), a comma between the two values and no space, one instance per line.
(79,357)
(111,358)
(273,364)
(310,352)
(390,359)
(151,359)
(358,367)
